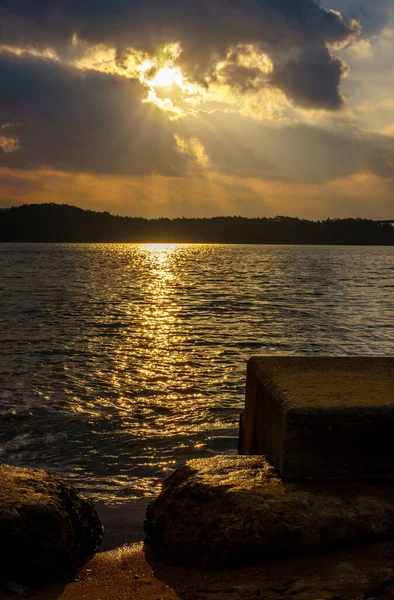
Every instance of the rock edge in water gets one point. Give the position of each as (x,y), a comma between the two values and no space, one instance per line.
(45,523)
(231,510)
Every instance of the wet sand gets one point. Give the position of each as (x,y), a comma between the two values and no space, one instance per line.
(123,523)
(121,574)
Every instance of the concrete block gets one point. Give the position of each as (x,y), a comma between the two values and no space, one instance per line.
(321,417)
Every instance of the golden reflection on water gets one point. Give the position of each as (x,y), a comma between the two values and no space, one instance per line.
(160,337)
(159,316)
(156,314)
(162,249)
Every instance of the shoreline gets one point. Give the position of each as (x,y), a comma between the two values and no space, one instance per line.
(123,523)
(126,568)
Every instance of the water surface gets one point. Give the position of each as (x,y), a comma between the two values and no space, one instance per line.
(119,361)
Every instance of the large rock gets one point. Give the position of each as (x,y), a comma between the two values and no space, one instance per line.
(321,417)
(45,523)
(230,510)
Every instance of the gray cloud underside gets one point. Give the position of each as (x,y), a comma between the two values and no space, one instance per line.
(294,153)
(85,122)
(294,33)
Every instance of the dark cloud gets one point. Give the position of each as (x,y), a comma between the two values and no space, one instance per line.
(243,78)
(86,122)
(311,79)
(291,32)
(296,153)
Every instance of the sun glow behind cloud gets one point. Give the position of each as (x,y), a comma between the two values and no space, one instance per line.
(166,85)
(164,81)
(238,82)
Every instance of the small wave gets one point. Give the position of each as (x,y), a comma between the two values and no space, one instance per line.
(14,416)
(16,444)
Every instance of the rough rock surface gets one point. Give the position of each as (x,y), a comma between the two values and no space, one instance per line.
(230,510)
(44,523)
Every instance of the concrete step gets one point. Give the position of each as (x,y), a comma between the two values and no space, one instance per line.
(321,417)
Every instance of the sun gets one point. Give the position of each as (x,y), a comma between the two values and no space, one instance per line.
(166,84)
(165,77)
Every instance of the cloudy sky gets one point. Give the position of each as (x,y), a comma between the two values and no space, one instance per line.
(199,107)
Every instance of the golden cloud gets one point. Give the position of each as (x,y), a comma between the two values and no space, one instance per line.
(9,144)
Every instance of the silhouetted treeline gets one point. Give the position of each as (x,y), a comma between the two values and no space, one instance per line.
(63,223)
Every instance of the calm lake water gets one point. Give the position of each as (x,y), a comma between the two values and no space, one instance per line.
(118,362)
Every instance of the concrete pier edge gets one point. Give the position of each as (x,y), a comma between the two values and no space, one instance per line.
(321,417)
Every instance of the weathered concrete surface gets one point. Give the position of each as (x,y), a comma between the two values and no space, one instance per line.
(229,510)
(321,417)
(45,523)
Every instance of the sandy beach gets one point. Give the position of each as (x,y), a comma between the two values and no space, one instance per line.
(135,573)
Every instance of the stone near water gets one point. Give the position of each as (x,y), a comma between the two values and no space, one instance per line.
(16,589)
(45,524)
(230,510)
(321,417)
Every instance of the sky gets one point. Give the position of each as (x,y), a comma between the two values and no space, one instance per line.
(199,107)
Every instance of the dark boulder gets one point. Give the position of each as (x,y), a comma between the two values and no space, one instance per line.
(45,524)
(231,510)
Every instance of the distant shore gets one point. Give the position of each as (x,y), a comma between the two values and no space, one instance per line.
(51,223)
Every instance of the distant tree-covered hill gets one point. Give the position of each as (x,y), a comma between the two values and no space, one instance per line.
(63,223)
